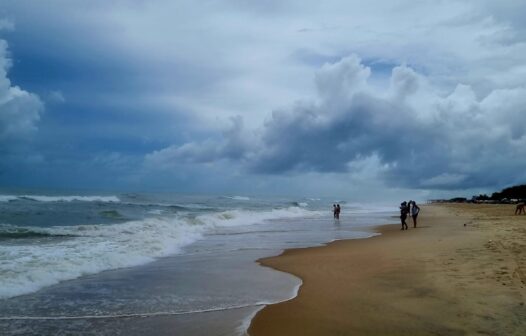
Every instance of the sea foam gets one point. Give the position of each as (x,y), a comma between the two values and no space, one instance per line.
(8,198)
(239,198)
(247,217)
(73,251)
(45,256)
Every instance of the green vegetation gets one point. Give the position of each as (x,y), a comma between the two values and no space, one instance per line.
(515,193)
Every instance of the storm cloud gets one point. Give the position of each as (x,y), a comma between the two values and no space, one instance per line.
(273,96)
(418,137)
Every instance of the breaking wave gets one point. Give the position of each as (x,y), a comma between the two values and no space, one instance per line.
(89,249)
(238,198)
(44,198)
(14,232)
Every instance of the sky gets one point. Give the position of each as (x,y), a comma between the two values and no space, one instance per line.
(365,100)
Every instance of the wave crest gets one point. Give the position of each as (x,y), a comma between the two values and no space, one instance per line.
(14,232)
(91,249)
(45,198)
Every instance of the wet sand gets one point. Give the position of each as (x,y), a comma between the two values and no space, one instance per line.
(461,272)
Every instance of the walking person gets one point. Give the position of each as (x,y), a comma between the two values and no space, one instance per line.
(338,210)
(415,210)
(334,211)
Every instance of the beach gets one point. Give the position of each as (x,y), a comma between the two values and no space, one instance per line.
(123,264)
(462,271)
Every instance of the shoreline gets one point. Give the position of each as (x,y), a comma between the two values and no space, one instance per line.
(214,289)
(442,278)
(376,231)
(247,322)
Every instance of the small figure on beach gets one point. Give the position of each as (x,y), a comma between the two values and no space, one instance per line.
(415,209)
(404,210)
(519,209)
(336,211)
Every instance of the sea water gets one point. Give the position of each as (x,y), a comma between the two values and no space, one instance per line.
(136,264)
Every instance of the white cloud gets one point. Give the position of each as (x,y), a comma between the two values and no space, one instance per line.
(217,59)
(242,55)
(452,106)
(19,110)
(341,80)
(410,137)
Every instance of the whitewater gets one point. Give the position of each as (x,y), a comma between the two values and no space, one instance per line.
(32,257)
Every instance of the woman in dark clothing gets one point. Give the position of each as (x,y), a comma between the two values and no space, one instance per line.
(404,210)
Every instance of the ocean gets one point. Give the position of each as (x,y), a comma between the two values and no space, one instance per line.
(163,264)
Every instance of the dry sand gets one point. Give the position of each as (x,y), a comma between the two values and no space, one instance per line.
(442,278)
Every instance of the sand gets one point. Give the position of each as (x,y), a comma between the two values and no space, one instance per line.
(461,272)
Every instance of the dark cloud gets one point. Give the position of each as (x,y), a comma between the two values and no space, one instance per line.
(420,139)
(132,79)
(234,145)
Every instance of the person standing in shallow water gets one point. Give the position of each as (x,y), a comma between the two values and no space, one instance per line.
(334,211)
(404,210)
(415,210)
(338,210)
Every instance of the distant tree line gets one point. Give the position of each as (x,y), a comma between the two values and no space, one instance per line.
(514,193)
